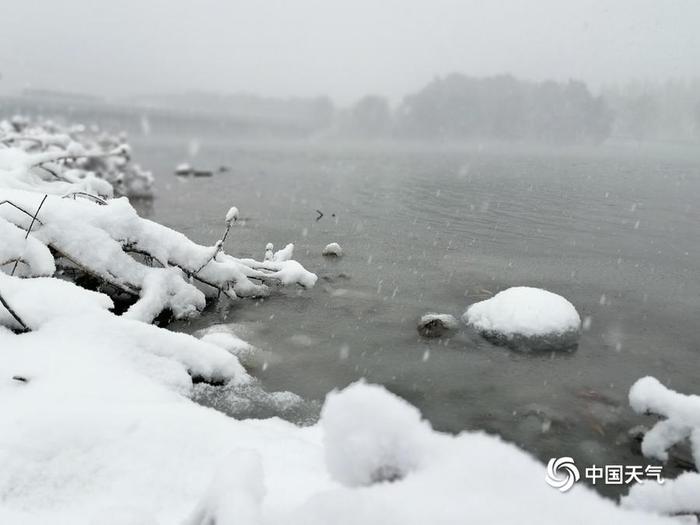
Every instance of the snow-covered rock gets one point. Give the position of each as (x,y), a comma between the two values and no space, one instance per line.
(526,317)
(436,325)
(183,169)
(332,250)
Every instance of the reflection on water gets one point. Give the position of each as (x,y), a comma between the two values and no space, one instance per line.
(435,231)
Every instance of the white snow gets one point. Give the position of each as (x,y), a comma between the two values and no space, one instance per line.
(524,312)
(91,161)
(682,421)
(333,249)
(235,494)
(103,431)
(232,214)
(223,337)
(16,245)
(391,442)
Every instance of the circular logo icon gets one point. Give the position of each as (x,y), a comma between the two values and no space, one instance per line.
(562,473)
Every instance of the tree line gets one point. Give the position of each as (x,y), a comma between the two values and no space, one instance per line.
(460,107)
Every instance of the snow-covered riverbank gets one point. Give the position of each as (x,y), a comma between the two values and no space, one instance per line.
(97,424)
(98,428)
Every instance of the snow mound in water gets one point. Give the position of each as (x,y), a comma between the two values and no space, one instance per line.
(522,313)
(333,249)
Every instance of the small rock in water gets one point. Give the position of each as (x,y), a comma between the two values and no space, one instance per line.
(436,325)
(333,249)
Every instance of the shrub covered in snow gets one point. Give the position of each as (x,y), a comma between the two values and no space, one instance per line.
(72,226)
(84,154)
(527,317)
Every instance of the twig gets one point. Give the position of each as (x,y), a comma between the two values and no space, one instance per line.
(55,157)
(31,225)
(106,277)
(13,314)
(90,196)
(52,172)
(20,138)
(20,209)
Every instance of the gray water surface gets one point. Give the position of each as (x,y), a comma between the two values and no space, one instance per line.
(436,230)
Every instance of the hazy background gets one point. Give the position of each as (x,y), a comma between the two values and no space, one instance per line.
(343,49)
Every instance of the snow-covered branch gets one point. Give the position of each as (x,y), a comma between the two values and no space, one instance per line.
(72,222)
(682,421)
(93,161)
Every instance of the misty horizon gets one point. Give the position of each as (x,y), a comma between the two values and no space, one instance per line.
(340,50)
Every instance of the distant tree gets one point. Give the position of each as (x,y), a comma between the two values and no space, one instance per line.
(322,111)
(503,107)
(656,110)
(370,117)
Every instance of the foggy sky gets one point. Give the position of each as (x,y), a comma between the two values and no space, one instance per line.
(341,48)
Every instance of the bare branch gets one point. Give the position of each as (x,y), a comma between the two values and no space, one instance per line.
(16,317)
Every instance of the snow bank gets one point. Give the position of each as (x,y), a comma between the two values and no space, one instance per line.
(97,427)
(103,430)
(78,320)
(521,313)
(389,442)
(682,413)
(223,337)
(235,494)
